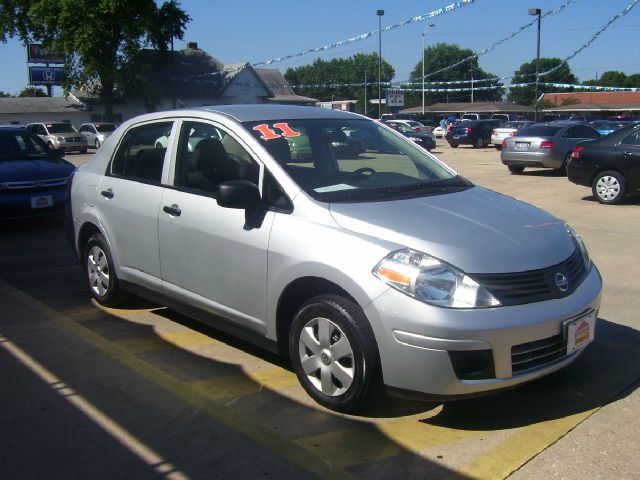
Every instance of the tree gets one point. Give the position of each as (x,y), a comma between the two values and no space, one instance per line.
(443,55)
(4,94)
(32,92)
(97,38)
(527,74)
(341,78)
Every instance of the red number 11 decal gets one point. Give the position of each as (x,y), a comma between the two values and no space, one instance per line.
(268,134)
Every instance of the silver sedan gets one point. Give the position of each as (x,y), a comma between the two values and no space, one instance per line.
(546,145)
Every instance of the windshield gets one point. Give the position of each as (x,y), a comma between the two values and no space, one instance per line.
(21,145)
(513,125)
(105,127)
(338,160)
(540,131)
(60,128)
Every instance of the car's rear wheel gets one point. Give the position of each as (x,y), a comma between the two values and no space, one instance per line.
(334,353)
(563,168)
(453,145)
(498,146)
(609,187)
(101,275)
(515,169)
(479,143)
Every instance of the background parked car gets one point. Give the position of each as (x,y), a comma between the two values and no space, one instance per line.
(506,130)
(416,126)
(472,132)
(605,127)
(59,136)
(32,176)
(546,145)
(96,133)
(475,116)
(425,140)
(609,165)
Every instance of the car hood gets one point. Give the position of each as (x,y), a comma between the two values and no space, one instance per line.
(477,230)
(34,169)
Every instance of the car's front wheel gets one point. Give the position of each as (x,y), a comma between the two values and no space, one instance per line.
(97,144)
(101,275)
(609,187)
(334,353)
(453,145)
(479,143)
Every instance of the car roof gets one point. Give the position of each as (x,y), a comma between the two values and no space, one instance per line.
(12,129)
(250,113)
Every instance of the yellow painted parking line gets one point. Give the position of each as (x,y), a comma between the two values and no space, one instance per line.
(522,446)
(265,438)
(364,444)
(229,386)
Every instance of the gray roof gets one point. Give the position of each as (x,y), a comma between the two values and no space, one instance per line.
(279,88)
(40,105)
(595,107)
(479,107)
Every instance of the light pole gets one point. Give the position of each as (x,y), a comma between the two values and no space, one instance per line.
(537,11)
(380,13)
(424,34)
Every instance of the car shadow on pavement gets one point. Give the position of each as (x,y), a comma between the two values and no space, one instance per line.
(605,372)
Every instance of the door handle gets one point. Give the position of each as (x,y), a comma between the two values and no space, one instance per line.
(628,154)
(107,193)
(172,210)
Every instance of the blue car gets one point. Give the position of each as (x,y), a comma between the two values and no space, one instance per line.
(605,127)
(32,176)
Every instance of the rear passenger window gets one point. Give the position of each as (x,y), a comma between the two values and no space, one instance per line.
(633,139)
(141,154)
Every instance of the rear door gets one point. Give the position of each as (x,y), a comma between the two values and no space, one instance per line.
(629,152)
(129,198)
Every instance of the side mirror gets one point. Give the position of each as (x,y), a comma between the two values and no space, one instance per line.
(241,194)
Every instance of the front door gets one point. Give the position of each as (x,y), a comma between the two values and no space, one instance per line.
(209,256)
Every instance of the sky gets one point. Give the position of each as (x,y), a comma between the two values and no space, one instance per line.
(256,31)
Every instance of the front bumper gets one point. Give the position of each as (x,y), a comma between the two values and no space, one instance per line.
(416,340)
(32,203)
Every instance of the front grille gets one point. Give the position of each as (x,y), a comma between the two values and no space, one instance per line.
(527,356)
(35,185)
(534,285)
(73,139)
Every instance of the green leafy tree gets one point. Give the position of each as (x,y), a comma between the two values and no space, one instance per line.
(98,38)
(341,78)
(633,81)
(32,92)
(4,94)
(443,55)
(527,74)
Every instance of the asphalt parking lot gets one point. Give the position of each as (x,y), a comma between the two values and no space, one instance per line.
(144,392)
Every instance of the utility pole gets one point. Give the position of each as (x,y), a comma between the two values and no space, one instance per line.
(538,12)
(423,49)
(380,13)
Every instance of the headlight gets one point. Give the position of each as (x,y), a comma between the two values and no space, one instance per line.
(433,281)
(580,245)
(60,139)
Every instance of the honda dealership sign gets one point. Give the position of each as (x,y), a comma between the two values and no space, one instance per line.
(40,54)
(46,75)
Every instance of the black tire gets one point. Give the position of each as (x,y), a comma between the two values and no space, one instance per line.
(563,168)
(342,318)
(498,147)
(479,143)
(84,150)
(50,145)
(97,144)
(453,145)
(515,169)
(100,272)
(609,187)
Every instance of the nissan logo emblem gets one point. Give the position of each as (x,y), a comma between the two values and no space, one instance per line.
(562,282)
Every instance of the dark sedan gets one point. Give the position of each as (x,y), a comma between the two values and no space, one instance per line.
(546,145)
(472,132)
(425,140)
(610,165)
(32,176)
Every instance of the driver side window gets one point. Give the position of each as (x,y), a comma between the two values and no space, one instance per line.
(208,156)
